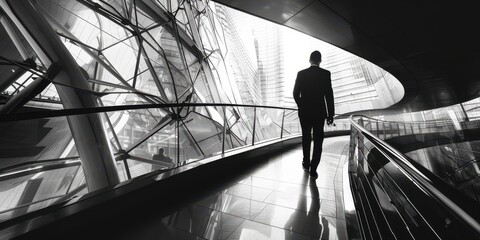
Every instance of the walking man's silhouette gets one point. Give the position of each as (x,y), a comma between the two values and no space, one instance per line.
(314,97)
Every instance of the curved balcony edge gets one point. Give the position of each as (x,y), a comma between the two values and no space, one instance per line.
(369,180)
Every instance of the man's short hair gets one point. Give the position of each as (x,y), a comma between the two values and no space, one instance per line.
(316,57)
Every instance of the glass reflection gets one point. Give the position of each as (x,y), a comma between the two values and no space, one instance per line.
(441,147)
(456,163)
(131,55)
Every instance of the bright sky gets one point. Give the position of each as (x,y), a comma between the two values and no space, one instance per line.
(298,47)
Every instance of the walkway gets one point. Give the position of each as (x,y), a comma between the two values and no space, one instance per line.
(274,199)
(277,201)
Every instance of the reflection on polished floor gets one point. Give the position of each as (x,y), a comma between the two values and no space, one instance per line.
(276,201)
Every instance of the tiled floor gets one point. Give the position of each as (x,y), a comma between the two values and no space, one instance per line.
(277,201)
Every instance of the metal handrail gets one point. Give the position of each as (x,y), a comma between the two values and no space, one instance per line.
(419,178)
(59,199)
(32,167)
(409,122)
(104,109)
(79,111)
(29,204)
(41,166)
(26,164)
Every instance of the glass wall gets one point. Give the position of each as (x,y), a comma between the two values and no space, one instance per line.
(137,86)
(157,66)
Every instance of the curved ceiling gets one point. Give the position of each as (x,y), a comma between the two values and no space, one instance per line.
(430,46)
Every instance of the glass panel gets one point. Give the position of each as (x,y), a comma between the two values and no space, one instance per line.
(90,28)
(291,123)
(146,84)
(133,125)
(33,140)
(400,129)
(344,125)
(202,89)
(124,98)
(236,130)
(138,168)
(140,17)
(203,136)
(122,57)
(156,66)
(39,189)
(122,172)
(268,124)
(165,137)
(183,23)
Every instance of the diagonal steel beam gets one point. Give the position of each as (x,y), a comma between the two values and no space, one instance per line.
(88,130)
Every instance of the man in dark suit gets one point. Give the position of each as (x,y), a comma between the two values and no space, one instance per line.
(314,97)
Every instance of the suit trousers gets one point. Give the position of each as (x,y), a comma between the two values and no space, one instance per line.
(308,124)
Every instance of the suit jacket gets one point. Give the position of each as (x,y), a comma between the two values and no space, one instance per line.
(313,93)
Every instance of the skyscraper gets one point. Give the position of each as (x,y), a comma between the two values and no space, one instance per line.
(269,50)
(357,83)
(240,58)
(267,40)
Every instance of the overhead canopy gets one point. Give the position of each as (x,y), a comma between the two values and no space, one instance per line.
(431,47)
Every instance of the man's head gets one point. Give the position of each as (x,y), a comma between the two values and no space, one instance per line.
(315,57)
(161,150)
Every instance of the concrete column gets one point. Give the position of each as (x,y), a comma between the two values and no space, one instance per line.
(88,130)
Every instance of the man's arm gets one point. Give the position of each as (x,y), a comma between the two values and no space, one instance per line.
(296,90)
(329,100)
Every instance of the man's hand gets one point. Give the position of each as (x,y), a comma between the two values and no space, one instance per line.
(329,120)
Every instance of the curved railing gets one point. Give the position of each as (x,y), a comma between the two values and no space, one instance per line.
(389,129)
(396,198)
(245,125)
(415,139)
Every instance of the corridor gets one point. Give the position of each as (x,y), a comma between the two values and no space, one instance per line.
(275,201)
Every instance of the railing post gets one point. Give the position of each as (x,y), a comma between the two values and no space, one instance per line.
(453,209)
(390,126)
(360,121)
(254,124)
(224,128)
(177,126)
(127,169)
(384,131)
(466,119)
(283,120)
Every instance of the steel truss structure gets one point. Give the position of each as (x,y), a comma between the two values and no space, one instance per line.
(92,90)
